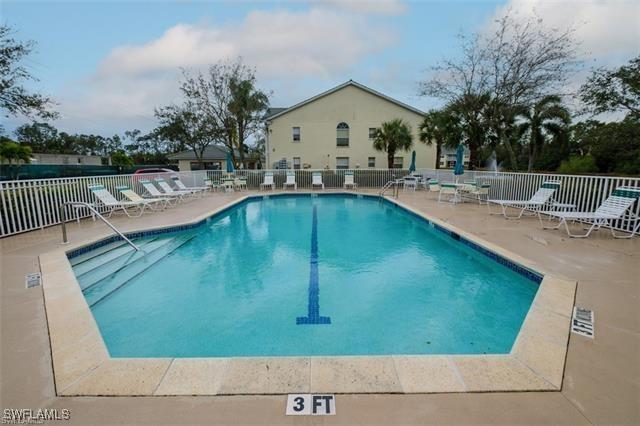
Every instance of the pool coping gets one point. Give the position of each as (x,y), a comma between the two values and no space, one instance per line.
(82,365)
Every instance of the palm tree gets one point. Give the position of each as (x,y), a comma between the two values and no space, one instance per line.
(392,136)
(439,126)
(546,119)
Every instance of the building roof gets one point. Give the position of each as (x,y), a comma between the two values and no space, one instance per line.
(212,152)
(277,112)
(273,111)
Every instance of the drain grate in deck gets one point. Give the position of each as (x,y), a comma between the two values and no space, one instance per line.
(582,322)
(32,280)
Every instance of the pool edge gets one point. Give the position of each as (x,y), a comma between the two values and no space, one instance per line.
(82,366)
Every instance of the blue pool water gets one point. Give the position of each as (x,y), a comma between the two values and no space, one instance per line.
(301,275)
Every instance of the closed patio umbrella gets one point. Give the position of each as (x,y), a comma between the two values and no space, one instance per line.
(412,167)
(229,163)
(459,168)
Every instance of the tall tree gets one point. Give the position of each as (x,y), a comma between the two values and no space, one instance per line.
(248,106)
(516,63)
(186,124)
(613,90)
(439,127)
(226,94)
(15,99)
(393,136)
(546,119)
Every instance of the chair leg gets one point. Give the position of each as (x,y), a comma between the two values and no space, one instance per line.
(628,235)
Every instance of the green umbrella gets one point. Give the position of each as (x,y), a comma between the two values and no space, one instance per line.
(229,163)
(412,167)
(459,168)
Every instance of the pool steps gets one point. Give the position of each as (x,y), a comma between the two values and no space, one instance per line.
(111,256)
(85,257)
(112,266)
(119,269)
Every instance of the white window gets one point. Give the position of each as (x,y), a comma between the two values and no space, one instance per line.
(342,162)
(397,162)
(342,134)
(296,163)
(372,132)
(296,134)
(372,161)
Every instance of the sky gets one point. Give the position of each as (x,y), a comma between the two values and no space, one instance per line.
(109,64)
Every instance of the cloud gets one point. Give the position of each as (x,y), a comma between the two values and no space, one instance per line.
(373,7)
(317,42)
(604,29)
(284,46)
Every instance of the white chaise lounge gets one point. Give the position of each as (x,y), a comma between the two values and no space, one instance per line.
(268,181)
(615,207)
(291,181)
(349,180)
(543,197)
(316,180)
(106,199)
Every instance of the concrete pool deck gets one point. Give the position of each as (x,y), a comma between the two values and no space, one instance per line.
(601,381)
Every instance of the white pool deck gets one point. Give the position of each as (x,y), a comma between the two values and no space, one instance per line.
(54,349)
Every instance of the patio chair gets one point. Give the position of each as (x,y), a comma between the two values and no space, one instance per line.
(448,189)
(542,197)
(239,183)
(182,187)
(155,192)
(478,191)
(349,180)
(433,186)
(106,199)
(316,180)
(268,181)
(211,185)
(159,203)
(291,181)
(615,207)
(168,190)
(410,182)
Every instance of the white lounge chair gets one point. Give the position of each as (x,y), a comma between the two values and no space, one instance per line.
(349,180)
(155,192)
(615,207)
(268,181)
(291,181)
(106,199)
(159,203)
(542,198)
(168,190)
(316,180)
(182,187)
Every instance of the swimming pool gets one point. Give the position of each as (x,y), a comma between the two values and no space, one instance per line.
(302,275)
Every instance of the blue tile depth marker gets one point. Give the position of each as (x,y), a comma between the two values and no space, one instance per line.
(313,315)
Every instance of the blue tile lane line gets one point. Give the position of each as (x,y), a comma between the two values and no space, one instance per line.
(313,314)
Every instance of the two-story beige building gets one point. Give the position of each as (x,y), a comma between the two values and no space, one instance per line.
(335,130)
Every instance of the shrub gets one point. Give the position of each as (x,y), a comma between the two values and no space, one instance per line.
(578,165)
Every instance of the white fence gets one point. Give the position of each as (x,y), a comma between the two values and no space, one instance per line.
(33,204)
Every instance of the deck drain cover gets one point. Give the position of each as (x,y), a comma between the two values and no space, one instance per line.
(32,280)
(582,322)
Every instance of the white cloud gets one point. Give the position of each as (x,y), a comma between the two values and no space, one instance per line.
(284,46)
(374,7)
(605,28)
(317,42)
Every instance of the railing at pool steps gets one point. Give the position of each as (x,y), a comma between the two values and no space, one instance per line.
(391,184)
(95,213)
